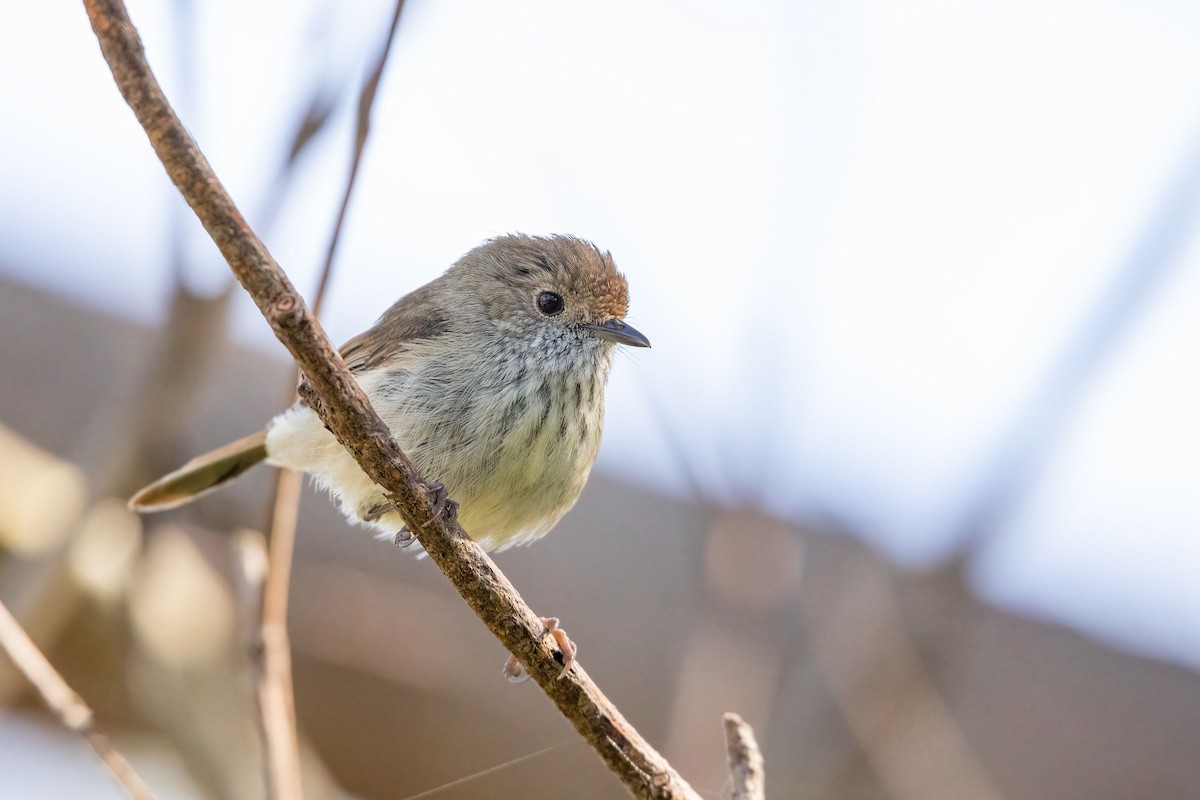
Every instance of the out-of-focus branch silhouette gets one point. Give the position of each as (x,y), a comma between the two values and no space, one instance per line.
(882,688)
(1041,422)
(276,696)
(68,706)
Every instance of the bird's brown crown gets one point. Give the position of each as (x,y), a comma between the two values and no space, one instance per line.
(576,267)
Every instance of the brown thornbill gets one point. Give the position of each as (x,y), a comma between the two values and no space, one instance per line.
(491,378)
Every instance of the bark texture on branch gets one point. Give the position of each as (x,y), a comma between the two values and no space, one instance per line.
(345,409)
(745,760)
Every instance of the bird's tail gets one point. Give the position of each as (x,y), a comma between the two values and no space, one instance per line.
(202,474)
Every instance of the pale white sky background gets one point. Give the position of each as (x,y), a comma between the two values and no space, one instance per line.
(860,235)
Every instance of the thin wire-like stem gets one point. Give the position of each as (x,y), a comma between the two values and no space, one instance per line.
(68,706)
(276,695)
(332,392)
(483,773)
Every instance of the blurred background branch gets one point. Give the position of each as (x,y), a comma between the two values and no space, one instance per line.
(68,706)
(275,692)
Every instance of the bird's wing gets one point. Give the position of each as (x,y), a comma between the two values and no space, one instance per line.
(414,317)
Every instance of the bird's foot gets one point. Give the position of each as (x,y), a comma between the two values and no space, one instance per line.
(440,504)
(515,673)
(376,511)
(403,537)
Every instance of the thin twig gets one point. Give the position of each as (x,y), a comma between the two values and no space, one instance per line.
(366,101)
(276,698)
(745,760)
(344,408)
(277,704)
(65,703)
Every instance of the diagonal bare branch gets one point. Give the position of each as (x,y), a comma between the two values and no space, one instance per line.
(344,408)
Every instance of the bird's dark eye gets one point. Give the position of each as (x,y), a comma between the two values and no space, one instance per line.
(549,303)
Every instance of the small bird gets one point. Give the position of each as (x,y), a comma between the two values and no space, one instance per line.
(491,378)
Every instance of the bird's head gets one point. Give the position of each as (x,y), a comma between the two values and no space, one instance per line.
(555,290)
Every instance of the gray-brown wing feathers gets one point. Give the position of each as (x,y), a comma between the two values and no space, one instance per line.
(415,316)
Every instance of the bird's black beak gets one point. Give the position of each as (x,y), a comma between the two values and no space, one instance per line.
(617,331)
